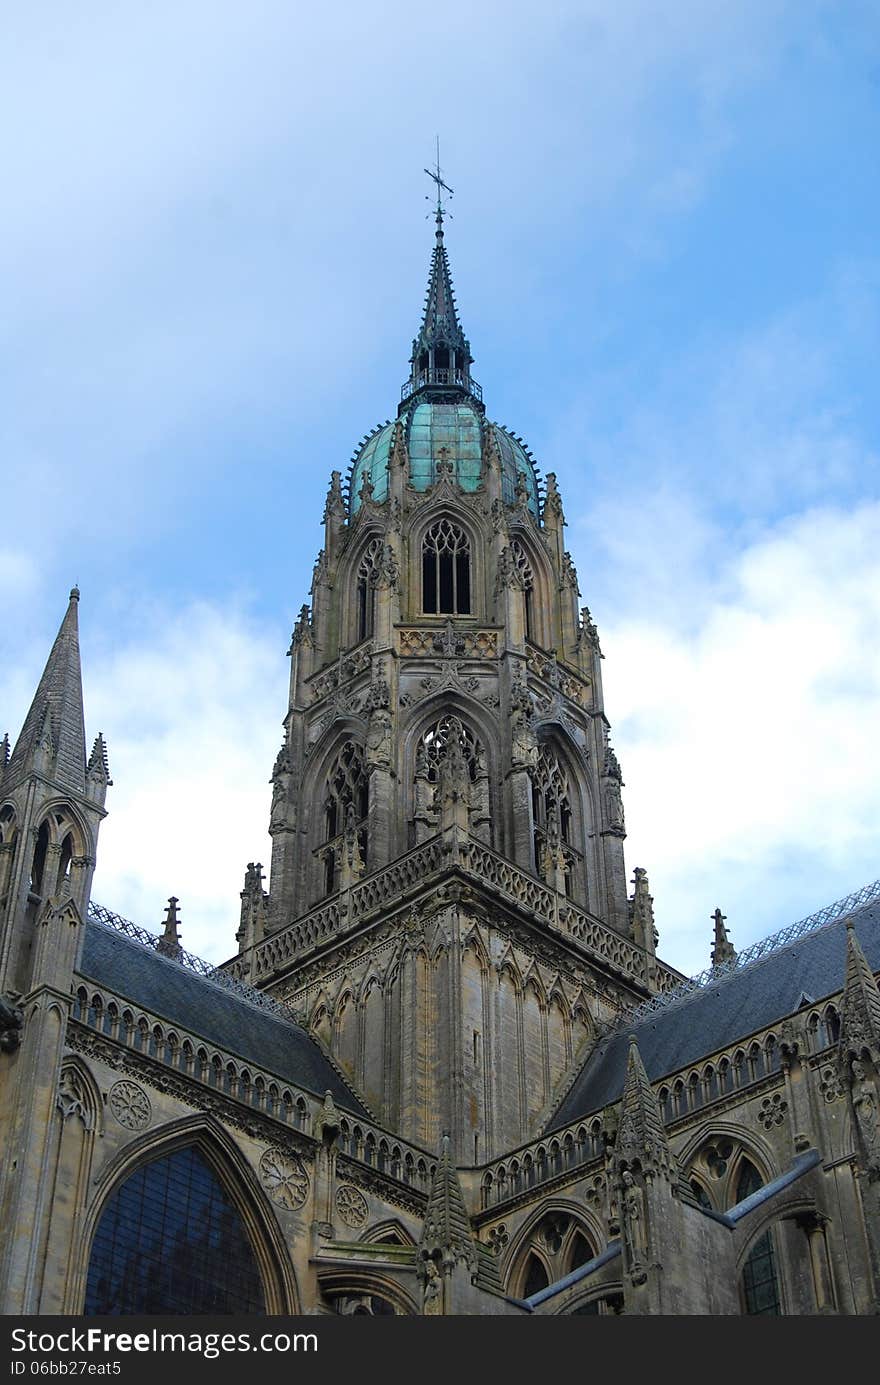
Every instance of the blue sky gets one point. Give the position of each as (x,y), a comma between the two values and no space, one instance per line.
(664,245)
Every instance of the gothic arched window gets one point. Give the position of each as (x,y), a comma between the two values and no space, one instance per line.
(364,590)
(348,788)
(435,740)
(524,568)
(170,1241)
(446,570)
(429,754)
(551,810)
(759,1281)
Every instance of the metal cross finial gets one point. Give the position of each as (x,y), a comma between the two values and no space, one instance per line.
(435,176)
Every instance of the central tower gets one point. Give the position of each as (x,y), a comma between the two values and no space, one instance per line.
(448,908)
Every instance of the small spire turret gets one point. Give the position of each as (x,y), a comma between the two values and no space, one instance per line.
(723,949)
(169,943)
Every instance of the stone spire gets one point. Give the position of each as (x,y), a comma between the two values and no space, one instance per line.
(53,737)
(723,949)
(860,1008)
(169,943)
(641,1138)
(441,354)
(641,908)
(446,1234)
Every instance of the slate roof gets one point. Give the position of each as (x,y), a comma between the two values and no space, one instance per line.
(722,1012)
(218,1016)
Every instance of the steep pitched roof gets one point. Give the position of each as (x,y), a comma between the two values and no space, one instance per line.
(722,1012)
(218,1016)
(56,712)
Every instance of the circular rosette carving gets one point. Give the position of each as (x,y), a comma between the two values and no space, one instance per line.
(130,1105)
(351,1206)
(284,1178)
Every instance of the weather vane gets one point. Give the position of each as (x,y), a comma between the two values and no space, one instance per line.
(435,176)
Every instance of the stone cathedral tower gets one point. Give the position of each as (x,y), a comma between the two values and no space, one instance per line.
(445,1072)
(448,908)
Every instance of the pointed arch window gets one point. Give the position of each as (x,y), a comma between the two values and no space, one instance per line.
(446,570)
(347,788)
(524,568)
(39,862)
(551,809)
(170,1241)
(435,740)
(429,753)
(365,593)
(759,1281)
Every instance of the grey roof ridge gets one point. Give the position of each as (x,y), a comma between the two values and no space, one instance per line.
(771,947)
(282,1013)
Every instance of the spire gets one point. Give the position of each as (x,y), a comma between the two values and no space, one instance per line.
(860,1008)
(169,943)
(723,949)
(641,1138)
(441,355)
(446,1234)
(53,728)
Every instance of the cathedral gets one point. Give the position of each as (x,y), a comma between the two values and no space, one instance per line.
(445,1071)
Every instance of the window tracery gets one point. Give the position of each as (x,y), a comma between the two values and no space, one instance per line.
(446,570)
(346,804)
(558,1244)
(365,595)
(551,814)
(720,1176)
(170,1241)
(524,568)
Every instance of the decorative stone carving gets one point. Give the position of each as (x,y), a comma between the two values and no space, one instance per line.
(379,736)
(588,628)
(772,1111)
(302,631)
(507,573)
(498,1238)
(129,1105)
(614,806)
(634,1228)
(351,1206)
(386,572)
(829,1085)
(569,572)
(284,1177)
(432,1289)
(864,1100)
(11,1021)
(72,1097)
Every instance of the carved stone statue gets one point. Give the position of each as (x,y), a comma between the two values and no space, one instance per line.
(864,1099)
(379,737)
(634,1227)
(432,1293)
(278,813)
(524,742)
(11,1020)
(614,805)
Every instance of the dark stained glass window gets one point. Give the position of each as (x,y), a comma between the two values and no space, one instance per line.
(760,1284)
(170,1241)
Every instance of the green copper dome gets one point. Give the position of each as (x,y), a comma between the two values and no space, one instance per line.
(441,410)
(429,427)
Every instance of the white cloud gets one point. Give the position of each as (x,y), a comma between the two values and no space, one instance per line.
(749,744)
(191,706)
